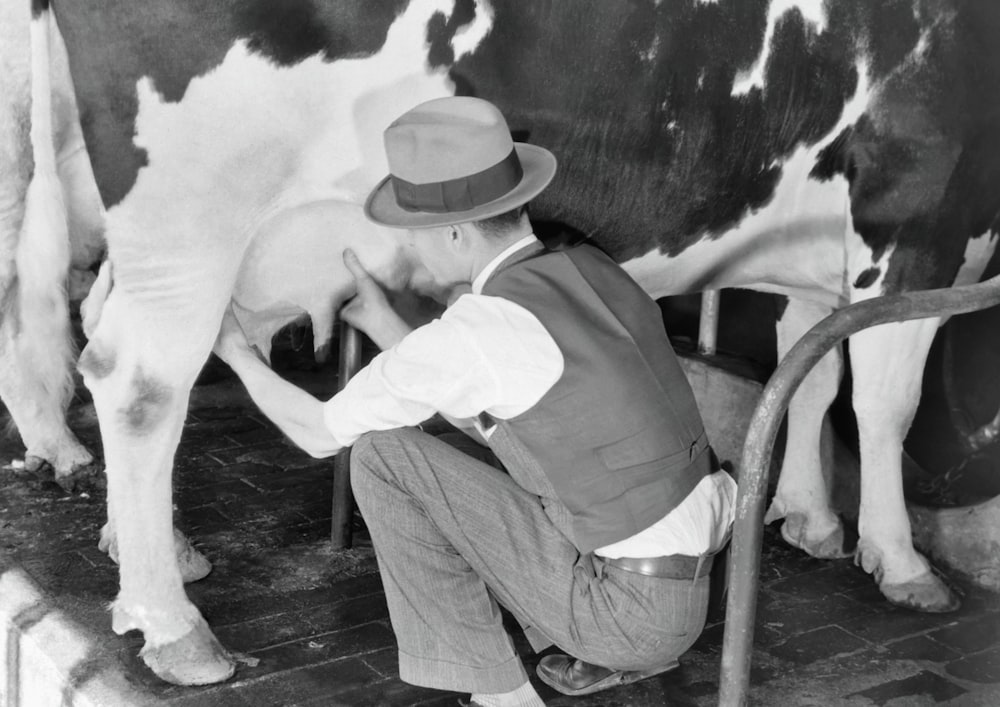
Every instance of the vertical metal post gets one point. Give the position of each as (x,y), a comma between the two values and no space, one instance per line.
(744,571)
(708,323)
(343,500)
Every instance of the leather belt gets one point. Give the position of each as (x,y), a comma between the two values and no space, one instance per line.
(668,566)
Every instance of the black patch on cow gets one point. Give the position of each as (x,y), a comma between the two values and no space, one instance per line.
(292,30)
(780,305)
(147,408)
(636,102)
(286,31)
(96,364)
(888,29)
(114,44)
(832,159)
(38,7)
(923,163)
(930,252)
(867,278)
(441,30)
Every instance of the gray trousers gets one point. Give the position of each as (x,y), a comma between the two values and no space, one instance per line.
(454,535)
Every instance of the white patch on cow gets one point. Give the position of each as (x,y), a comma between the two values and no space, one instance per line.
(803,224)
(859,259)
(978,252)
(317,127)
(470,36)
(812,11)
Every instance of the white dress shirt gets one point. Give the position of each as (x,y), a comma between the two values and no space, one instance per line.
(488,354)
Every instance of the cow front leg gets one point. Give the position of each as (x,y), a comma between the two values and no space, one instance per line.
(887,364)
(803,496)
(140,377)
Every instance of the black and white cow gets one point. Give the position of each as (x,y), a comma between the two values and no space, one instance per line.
(828,150)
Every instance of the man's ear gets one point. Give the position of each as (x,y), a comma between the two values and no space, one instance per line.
(460,236)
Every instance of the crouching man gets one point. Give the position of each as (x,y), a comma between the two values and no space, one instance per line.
(592,509)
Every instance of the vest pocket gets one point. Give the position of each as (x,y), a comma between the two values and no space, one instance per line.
(646,447)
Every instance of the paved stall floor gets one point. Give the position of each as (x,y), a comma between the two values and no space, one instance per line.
(316,618)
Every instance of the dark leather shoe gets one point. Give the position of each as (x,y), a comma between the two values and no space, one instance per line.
(575,677)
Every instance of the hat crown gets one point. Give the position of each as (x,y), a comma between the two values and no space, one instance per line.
(445,139)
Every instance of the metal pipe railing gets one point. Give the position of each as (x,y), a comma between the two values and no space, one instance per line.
(737,645)
(708,322)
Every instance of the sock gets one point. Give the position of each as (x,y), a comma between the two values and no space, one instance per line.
(524,696)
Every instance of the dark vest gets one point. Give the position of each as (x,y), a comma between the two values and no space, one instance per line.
(617,442)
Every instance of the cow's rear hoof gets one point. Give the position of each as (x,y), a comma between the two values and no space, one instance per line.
(926,593)
(87,477)
(191,563)
(795,531)
(197,658)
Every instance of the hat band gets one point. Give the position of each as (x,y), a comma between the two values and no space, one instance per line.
(463,193)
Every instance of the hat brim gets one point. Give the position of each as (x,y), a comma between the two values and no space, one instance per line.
(539,167)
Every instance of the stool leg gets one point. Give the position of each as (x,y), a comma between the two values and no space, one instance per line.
(343,501)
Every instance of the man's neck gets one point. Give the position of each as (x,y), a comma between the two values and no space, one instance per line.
(498,253)
(489,247)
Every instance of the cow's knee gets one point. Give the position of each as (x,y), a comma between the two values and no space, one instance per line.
(144,400)
(148,402)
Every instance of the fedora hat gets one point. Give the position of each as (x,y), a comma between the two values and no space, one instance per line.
(452,160)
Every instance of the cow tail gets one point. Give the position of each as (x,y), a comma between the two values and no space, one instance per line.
(44,339)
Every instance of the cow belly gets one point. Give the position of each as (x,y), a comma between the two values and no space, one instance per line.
(792,246)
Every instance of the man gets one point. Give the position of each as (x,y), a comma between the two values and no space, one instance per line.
(598,531)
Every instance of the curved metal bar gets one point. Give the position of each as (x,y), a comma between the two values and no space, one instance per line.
(741,604)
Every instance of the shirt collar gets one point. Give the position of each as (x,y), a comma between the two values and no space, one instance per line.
(484,274)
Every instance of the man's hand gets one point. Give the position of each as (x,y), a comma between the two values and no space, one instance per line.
(370,310)
(232,340)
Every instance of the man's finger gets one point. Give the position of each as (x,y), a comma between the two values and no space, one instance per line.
(355,267)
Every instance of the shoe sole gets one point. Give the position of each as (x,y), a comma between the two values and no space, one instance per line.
(616,679)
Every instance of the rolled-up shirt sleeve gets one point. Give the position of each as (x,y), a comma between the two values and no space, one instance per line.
(484,354)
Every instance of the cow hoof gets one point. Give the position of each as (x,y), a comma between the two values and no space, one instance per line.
(82,478)
(34,464)
(197,658)
(192,564)
(795,532)
(926,593)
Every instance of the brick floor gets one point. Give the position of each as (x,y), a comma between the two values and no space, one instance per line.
(316,619)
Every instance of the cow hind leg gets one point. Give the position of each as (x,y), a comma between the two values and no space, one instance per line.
(887,363)
(140,376)
(36,345)
(803,495)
